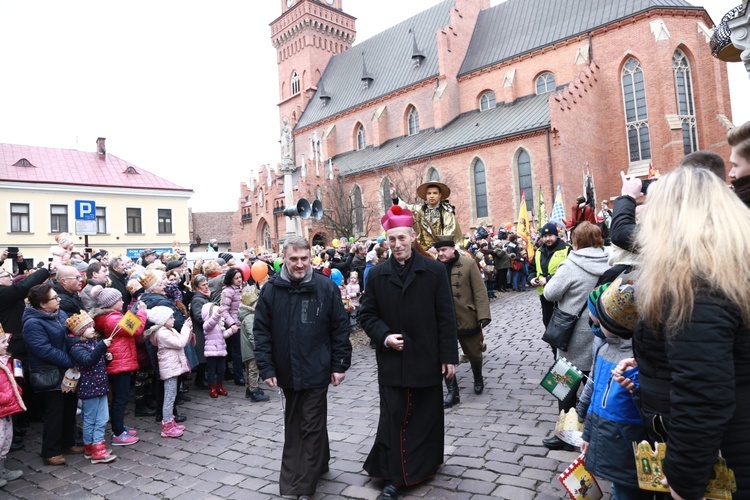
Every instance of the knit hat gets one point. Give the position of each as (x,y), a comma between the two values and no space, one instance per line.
(173,264)
(133,286)
(397,217)
(226,256)
(105,298)
(159,315)
(78,322)
(616,309)
(221,261)
(372,256)
(149,278)
(549,228)
(594,296)
(249,296)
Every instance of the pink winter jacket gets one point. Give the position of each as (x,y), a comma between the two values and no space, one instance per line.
(10,394)
(171,350)
(230,299)
(215,345)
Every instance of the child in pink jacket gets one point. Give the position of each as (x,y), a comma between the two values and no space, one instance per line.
(10,403)
(215,347)
(172,360)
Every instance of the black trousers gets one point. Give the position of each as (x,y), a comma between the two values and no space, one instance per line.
(306,453)
(547,308)
(59,422)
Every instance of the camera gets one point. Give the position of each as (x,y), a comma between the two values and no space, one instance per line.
(13,253)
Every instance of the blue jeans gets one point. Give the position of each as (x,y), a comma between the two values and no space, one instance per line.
(120,384)
(95,415)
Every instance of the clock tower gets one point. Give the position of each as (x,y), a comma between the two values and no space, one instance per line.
(306,35)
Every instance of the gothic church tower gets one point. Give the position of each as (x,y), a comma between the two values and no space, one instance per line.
(306,35)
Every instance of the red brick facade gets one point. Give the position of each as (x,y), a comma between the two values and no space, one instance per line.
(587,117)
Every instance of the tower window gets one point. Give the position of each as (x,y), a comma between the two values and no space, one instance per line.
(295,83)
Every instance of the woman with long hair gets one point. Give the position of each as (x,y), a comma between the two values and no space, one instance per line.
(692,344)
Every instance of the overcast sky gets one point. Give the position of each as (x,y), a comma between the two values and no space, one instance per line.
(185,89)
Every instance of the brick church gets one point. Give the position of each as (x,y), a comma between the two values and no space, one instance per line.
(493,101)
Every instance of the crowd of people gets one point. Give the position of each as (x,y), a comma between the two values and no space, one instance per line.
(655,288)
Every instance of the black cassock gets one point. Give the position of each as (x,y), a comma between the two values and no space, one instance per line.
(408,446)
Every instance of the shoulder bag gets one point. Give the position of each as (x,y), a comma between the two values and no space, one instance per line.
(560,327)
(45,378)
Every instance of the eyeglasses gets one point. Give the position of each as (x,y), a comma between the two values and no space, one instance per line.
(77,278)
(56,297)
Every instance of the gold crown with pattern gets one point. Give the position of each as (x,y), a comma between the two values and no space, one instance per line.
(568,428)
(78,322)
(649,463)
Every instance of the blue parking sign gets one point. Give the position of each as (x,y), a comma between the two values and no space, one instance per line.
(85,210)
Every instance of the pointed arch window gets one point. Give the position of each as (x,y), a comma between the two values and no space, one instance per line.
(361,139)
(359,216)
(480,189)
(295,83)
(545,82)
(413,121)
(523,165)
(487,101)
(683,86)
(385,187)
(636,112)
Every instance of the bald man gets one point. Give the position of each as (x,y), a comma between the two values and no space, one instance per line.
(67,284)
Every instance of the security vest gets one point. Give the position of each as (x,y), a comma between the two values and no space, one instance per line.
(554,261)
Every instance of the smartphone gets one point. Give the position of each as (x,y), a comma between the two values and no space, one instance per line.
(645,184)
(12,253)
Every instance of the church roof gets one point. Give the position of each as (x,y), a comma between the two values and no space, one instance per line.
(388,59)
(69,166)
(506,120)
(516,27)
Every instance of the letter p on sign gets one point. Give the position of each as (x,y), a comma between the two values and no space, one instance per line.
(85,210)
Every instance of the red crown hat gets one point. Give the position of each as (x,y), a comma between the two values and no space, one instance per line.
(397,217)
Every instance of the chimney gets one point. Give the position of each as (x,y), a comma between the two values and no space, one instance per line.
(100,146)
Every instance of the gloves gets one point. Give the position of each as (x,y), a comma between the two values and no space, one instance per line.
(484,322)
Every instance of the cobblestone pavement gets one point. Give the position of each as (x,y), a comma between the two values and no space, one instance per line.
(232,447)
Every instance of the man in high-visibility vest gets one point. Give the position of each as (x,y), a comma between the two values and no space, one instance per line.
(552,252)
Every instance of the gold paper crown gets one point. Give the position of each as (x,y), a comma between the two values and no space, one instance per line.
(148,279)
(649,463)
(78,322)
(568,428)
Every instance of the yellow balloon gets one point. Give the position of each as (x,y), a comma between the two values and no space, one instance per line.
(383,234)
(335,243)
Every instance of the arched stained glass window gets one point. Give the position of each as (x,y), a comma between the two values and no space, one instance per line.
(683,86)
(524,178)
(480,189)
(636,112)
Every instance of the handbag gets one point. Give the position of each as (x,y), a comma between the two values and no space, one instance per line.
(560,328)
(45,378)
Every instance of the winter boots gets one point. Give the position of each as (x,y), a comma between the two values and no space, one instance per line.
(452,398)
(220,389)
(476,369)
(257,396)
(100,454)
(212,391)
(170,429)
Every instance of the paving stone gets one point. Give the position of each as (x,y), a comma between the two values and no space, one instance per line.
(513,493)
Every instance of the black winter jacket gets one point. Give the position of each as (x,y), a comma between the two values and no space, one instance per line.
(622,229)
(421,309)
(12,306)
(70,303)
(301,332)
(699,382)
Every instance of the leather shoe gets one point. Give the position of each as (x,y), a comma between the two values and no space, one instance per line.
(17,444)
(75,450)
(180,418)
(56,460)
(239,381)
(145,411)
(390,492)
(555,443)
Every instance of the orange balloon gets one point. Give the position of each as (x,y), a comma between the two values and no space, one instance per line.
(259,271)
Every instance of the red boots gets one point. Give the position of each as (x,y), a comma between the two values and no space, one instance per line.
(220,389)
(212,391)
(100,455)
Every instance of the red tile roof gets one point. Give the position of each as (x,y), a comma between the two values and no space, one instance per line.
(68,166)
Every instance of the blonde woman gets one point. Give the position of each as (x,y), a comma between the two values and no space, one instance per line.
(692,345)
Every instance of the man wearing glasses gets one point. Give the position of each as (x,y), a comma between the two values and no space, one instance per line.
(68,285)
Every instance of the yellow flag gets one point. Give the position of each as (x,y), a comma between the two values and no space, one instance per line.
(130,323)
(542,210)
(523,228)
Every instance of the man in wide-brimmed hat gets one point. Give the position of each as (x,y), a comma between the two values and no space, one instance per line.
(434,219)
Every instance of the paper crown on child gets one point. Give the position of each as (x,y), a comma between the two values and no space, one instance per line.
(78,322)
(159,315)
(617,310)
(149,278)
(133,286)
(568,428)
(397,217)
(249,296)
(2,333)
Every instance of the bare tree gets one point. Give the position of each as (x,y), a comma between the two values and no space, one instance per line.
(343,213)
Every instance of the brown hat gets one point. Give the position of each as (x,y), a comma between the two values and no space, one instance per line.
(445,191)
(78,322)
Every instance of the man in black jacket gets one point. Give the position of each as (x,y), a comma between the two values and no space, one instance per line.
(302,344)
(119,280)
(67,284)
(408,312)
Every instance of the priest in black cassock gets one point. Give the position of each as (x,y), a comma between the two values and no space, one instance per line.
(408,312)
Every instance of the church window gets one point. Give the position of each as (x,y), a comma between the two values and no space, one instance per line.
(358,206)
(487,100)
(683,83)
(545,83)
(413,121)
(636,113)
(480,189)
(267,241)
(295,83)
(433,175)
(524,178)
(385,186)
(361,142)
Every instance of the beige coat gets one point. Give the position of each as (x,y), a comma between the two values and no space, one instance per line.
(469,295)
